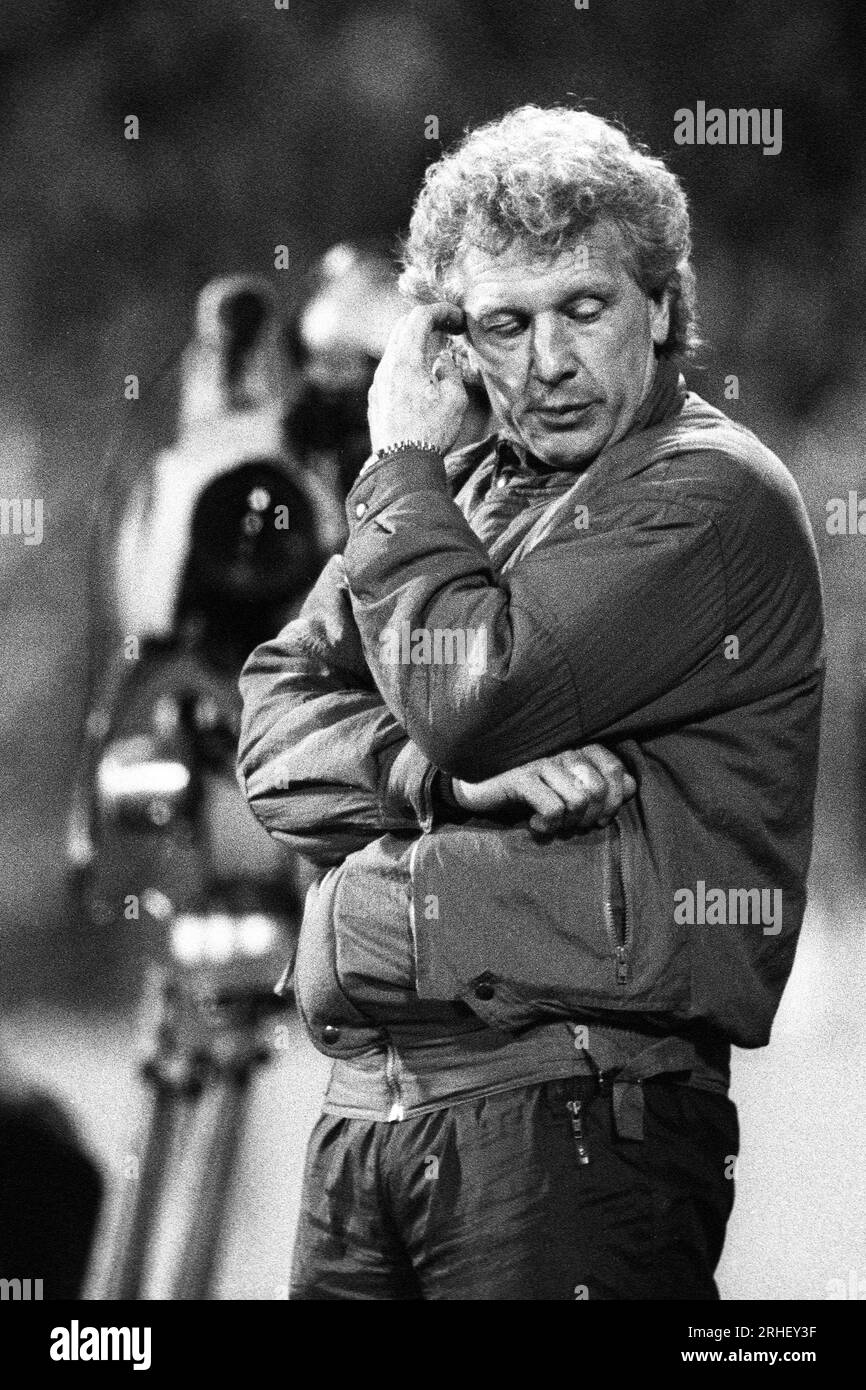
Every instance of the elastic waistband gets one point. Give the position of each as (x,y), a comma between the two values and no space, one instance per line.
(400,1079)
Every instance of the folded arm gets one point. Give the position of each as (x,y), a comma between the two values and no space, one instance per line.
(327,768)
(324,764)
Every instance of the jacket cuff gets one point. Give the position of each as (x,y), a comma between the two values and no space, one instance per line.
(408,786)
(415,786)
(446,808)
(392,478)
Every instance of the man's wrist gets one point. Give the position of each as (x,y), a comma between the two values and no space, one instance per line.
(384,481)
(400,446)
(420,445)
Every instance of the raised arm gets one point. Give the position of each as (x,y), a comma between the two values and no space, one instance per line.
(597,637)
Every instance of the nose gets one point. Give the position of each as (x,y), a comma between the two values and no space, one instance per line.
(552,349)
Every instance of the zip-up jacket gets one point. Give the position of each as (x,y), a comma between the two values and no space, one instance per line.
(666,602)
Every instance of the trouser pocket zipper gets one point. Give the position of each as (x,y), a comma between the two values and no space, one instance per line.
(575,1110)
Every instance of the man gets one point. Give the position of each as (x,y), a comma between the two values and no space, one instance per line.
(551,726)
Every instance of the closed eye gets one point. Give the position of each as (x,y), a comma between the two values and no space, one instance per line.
(507,326)
(585,310)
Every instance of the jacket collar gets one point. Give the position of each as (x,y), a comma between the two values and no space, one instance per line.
(663,400)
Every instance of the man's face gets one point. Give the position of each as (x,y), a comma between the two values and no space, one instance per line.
(564,346)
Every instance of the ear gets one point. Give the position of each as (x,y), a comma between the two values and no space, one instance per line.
(660,316)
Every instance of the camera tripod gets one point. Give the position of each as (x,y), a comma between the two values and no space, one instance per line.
(210,1008)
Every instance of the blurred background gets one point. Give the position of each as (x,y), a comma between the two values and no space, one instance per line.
(305,126)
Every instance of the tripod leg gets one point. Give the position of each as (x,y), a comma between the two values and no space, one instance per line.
(209,1203)
(125,1278)
(174,1087)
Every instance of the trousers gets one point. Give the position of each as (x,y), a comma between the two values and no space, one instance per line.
(527,1194)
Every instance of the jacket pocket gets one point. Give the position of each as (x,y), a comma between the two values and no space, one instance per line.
(653,951)
(520,928)
(334,1024)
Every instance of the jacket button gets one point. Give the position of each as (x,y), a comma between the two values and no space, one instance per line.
(330,1033)
(360,509)
(484,991)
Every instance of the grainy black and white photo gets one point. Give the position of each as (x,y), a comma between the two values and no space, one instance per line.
(433,556)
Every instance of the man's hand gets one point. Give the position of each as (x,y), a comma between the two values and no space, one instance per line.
(418,392)
(568,791)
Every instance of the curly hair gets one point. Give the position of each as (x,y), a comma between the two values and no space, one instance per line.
(545,176)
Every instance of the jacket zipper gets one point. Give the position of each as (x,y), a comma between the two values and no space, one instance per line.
(426,799)
(614,879)
(392,1080)
(392,1077)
